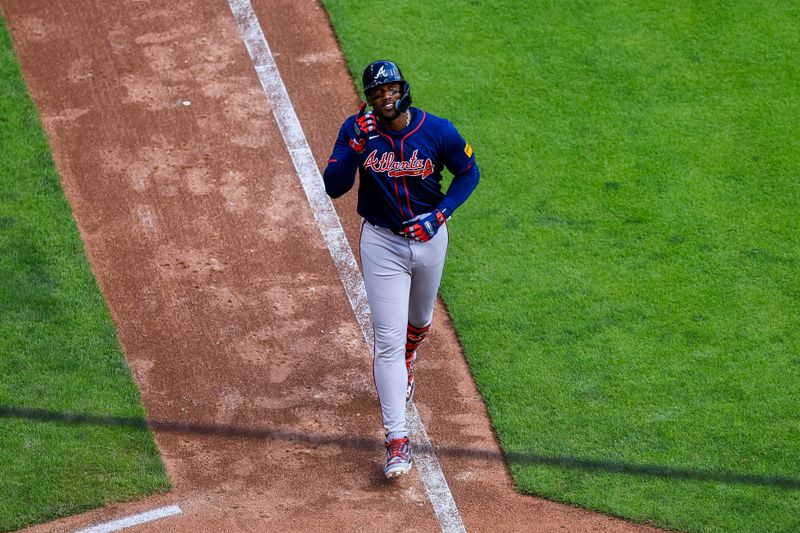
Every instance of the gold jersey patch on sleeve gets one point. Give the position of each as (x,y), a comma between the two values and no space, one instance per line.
(468,150)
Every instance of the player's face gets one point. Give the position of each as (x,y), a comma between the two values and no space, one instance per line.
(382,99)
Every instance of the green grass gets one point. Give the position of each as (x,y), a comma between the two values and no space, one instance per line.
(625,278)
(60,360)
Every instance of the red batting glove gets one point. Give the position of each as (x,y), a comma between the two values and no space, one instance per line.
(365,124)
(423,227)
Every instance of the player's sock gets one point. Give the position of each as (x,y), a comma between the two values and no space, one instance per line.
(414,337)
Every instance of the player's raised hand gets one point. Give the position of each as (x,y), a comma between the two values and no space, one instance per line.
(423,227)
(365,120)
(365,124)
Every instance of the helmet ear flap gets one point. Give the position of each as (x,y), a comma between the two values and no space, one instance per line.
(404,102)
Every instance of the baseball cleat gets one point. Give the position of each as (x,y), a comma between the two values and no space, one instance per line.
(411,357)
(398,458)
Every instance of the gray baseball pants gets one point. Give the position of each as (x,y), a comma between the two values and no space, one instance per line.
(402,278)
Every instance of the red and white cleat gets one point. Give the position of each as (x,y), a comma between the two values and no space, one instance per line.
(398,458)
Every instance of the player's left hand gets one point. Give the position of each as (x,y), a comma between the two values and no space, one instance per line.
(423,227)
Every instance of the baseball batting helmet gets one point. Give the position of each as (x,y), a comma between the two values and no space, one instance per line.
(382,72)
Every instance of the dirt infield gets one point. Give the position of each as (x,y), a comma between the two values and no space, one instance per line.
(252,368)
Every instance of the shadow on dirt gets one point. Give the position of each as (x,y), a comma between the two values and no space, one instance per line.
(352,441)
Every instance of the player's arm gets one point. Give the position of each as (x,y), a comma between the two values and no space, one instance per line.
(340,173)
(460,189)
(458,158)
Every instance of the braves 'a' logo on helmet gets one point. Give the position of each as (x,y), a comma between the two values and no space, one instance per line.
(414,166)
(384,71)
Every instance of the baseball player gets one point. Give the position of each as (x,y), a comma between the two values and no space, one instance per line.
(399,152)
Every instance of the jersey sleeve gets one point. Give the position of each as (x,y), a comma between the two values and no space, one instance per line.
(457,154)
(340,172)
(459,159)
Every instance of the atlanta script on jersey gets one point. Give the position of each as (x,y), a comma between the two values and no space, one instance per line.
(401,171)
(414,166)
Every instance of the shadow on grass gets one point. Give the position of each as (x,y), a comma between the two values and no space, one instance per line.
(564,462)
(27,280)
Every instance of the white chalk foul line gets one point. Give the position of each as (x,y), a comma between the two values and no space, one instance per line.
(133,520)
(430,471)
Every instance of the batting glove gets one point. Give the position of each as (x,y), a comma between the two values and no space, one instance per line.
(365,124)
(423,227)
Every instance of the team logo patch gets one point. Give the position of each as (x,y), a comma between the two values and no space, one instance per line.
(414,166)
(468,150)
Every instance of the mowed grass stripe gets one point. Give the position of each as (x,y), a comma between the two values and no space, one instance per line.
(624,280)
(58,344)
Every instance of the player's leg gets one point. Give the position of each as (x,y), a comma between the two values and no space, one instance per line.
(385,261)
(427,264)
(426,274)
(414,337)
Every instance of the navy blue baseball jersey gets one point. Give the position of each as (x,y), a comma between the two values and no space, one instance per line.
(401,171)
